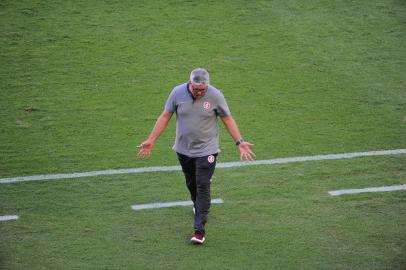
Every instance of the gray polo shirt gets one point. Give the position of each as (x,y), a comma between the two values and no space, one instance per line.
(197,132)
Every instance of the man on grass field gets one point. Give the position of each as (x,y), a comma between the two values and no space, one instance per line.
(197,105)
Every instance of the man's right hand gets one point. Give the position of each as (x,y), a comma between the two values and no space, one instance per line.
(160,125)
(145,149)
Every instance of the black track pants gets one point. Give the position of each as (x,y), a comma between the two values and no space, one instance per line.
(198,172)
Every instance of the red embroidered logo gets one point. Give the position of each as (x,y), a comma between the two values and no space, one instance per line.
(206,105)
(210,159)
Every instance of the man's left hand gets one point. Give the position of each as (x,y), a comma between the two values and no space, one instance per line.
(245,151)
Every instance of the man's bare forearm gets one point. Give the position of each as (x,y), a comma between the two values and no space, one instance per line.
(160,125)
(232,127)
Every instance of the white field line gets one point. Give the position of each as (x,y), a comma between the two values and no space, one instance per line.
(7,218)
(219,165)
(168,204)
(364,190)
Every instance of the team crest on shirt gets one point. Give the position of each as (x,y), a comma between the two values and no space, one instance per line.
(206,105)
(210,159)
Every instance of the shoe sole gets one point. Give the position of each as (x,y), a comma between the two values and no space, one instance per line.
(197,241)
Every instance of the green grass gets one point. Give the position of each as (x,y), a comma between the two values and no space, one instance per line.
(274,217)
(81,84)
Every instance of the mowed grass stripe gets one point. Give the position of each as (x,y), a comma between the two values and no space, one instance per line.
(219,165)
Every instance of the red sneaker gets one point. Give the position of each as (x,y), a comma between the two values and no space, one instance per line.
(197,238)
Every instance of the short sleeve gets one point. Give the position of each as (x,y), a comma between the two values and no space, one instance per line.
(170,105)
(222,107)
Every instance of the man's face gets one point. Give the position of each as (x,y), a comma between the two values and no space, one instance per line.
(198,90)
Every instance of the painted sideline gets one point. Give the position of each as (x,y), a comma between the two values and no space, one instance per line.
(219,165)
(169,204)
(364,190)
(7,218)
